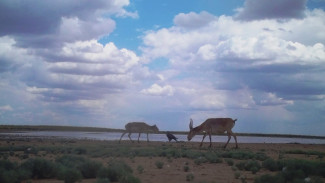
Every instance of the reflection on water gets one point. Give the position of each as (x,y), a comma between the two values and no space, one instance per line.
(155,137)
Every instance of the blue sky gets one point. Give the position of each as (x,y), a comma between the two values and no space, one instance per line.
(106,63)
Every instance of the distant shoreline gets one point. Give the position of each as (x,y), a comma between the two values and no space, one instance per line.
(21,128)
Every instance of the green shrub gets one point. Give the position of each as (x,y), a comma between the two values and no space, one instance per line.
(11,172)
(140,169)
(200,160)
(7,165)
(115,171)
(89,168)
(105,180)
(159,164)
(189,177)
(8,176)
(229,161)
(270,179)
(293,170)
(237,175)
(80,150)
(260,156)
(186,168)
(241,155)
(69,175)
(70,161)
(249,165)
(103,173)
(40,168)
(212,157)
(129,179)
(270,164)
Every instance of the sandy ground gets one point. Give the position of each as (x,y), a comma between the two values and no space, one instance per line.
(173,169)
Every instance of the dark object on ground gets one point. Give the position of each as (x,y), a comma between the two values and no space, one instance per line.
(171,136)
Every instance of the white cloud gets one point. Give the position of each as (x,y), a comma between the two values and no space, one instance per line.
(240,64)
(193,20)
(158,90)
(6,108)
(74,29)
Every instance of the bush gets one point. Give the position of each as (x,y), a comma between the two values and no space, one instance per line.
(213,158)
(241,155)
(186,168)
(293,170)
(89,169)
(250,165)
(271,165)
(159,164)
(260,156)
(129,179)
(115,171)
(69,175)
(106,180)
(237,175)
(270,179)
(140,169)
(189,177)
(200,160)
(40,168)
(70,161)
(8,176)
(229,161)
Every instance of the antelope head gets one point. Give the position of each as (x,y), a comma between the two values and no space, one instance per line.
(191,133)
(155,129)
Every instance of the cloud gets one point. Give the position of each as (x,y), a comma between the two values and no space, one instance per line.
(158,90)
(277,9)
(74,29)
(6,108)
(52,23)
(84,70)
(229,56)
(193,20)
(8,63)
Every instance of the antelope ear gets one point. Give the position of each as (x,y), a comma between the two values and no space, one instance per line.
(191,124)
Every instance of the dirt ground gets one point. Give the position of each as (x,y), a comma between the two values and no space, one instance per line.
(173,168)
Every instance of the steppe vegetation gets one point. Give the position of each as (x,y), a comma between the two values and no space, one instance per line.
(65,160)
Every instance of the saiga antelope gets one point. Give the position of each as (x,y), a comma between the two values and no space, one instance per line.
(213,125)
(139,127)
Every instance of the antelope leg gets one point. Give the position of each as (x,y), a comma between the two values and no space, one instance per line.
(139,137)
(203,139)
(122,136)
(235,140)
(130,137)
(229,137)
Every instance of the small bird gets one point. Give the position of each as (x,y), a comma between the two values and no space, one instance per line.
(171,136)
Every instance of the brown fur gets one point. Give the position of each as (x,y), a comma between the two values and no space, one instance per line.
(139,127)
(213,126)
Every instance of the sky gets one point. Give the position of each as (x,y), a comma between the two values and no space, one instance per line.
(108,62)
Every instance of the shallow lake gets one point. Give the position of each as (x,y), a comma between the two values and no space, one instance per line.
(154,137)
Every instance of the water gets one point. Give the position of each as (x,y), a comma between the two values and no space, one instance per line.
(153,137)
